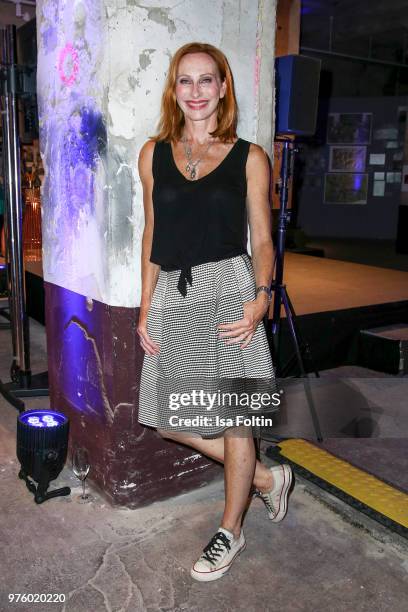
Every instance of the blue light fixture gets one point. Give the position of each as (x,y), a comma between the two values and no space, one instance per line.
(42,418)
(42,446)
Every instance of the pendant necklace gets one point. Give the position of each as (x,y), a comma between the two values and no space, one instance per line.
(191,166)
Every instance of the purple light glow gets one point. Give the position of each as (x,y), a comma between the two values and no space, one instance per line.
(85,379)
(83,145)
(43,418)
(358,180)
(309,7)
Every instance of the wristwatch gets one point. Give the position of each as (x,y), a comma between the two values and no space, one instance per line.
(266,289)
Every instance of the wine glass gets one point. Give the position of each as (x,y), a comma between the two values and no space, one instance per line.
(80,467)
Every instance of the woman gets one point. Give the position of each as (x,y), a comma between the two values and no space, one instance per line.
(202,300)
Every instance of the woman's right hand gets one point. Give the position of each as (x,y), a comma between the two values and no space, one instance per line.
(148,345)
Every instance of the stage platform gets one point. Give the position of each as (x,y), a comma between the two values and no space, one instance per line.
(317,284)
(34,290)
(334,300)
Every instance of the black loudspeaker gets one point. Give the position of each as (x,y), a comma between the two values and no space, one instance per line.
(297,92)
(402,231)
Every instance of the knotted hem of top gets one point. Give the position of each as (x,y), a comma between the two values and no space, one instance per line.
(186,275)
(184,278)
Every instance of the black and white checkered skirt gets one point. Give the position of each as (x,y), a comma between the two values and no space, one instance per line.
(194,364)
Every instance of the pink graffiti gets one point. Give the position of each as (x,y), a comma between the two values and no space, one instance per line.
(257,66)
(68,51)
(257,72)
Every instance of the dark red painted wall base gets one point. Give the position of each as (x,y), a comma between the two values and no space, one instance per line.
(94,361)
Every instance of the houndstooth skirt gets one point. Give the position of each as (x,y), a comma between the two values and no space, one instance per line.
(197,383)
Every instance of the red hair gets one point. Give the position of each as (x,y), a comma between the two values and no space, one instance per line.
(171,116)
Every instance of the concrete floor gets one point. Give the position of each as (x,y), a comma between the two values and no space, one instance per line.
(323,557)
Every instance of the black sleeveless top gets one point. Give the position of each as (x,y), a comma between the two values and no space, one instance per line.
(201,220)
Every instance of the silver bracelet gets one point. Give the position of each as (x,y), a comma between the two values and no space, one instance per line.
(266,289)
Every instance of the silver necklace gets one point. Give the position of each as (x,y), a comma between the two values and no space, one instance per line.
(192,165)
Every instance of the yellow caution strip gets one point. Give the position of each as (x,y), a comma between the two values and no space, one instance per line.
(364,487)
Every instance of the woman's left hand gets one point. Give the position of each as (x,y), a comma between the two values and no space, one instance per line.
(244,329)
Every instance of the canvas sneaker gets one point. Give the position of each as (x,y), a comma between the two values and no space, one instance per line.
(218,556)
(276,500)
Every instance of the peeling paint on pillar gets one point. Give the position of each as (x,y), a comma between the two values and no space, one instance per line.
(101,70)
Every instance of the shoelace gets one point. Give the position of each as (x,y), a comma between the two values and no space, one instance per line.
(218,543)
(266,499)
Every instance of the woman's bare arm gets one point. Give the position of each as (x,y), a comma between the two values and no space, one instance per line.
(259,217)
(150,271)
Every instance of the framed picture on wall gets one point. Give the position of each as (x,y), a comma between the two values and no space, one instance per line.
(347,159)
(349,128)
(346,188)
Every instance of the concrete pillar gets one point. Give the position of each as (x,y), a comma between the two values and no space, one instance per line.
(101,70)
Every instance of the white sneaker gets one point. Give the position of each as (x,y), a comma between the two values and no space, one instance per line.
(276,500)
(218,555)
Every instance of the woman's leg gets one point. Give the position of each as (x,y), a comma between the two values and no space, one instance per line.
(239,470)
(263,478)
